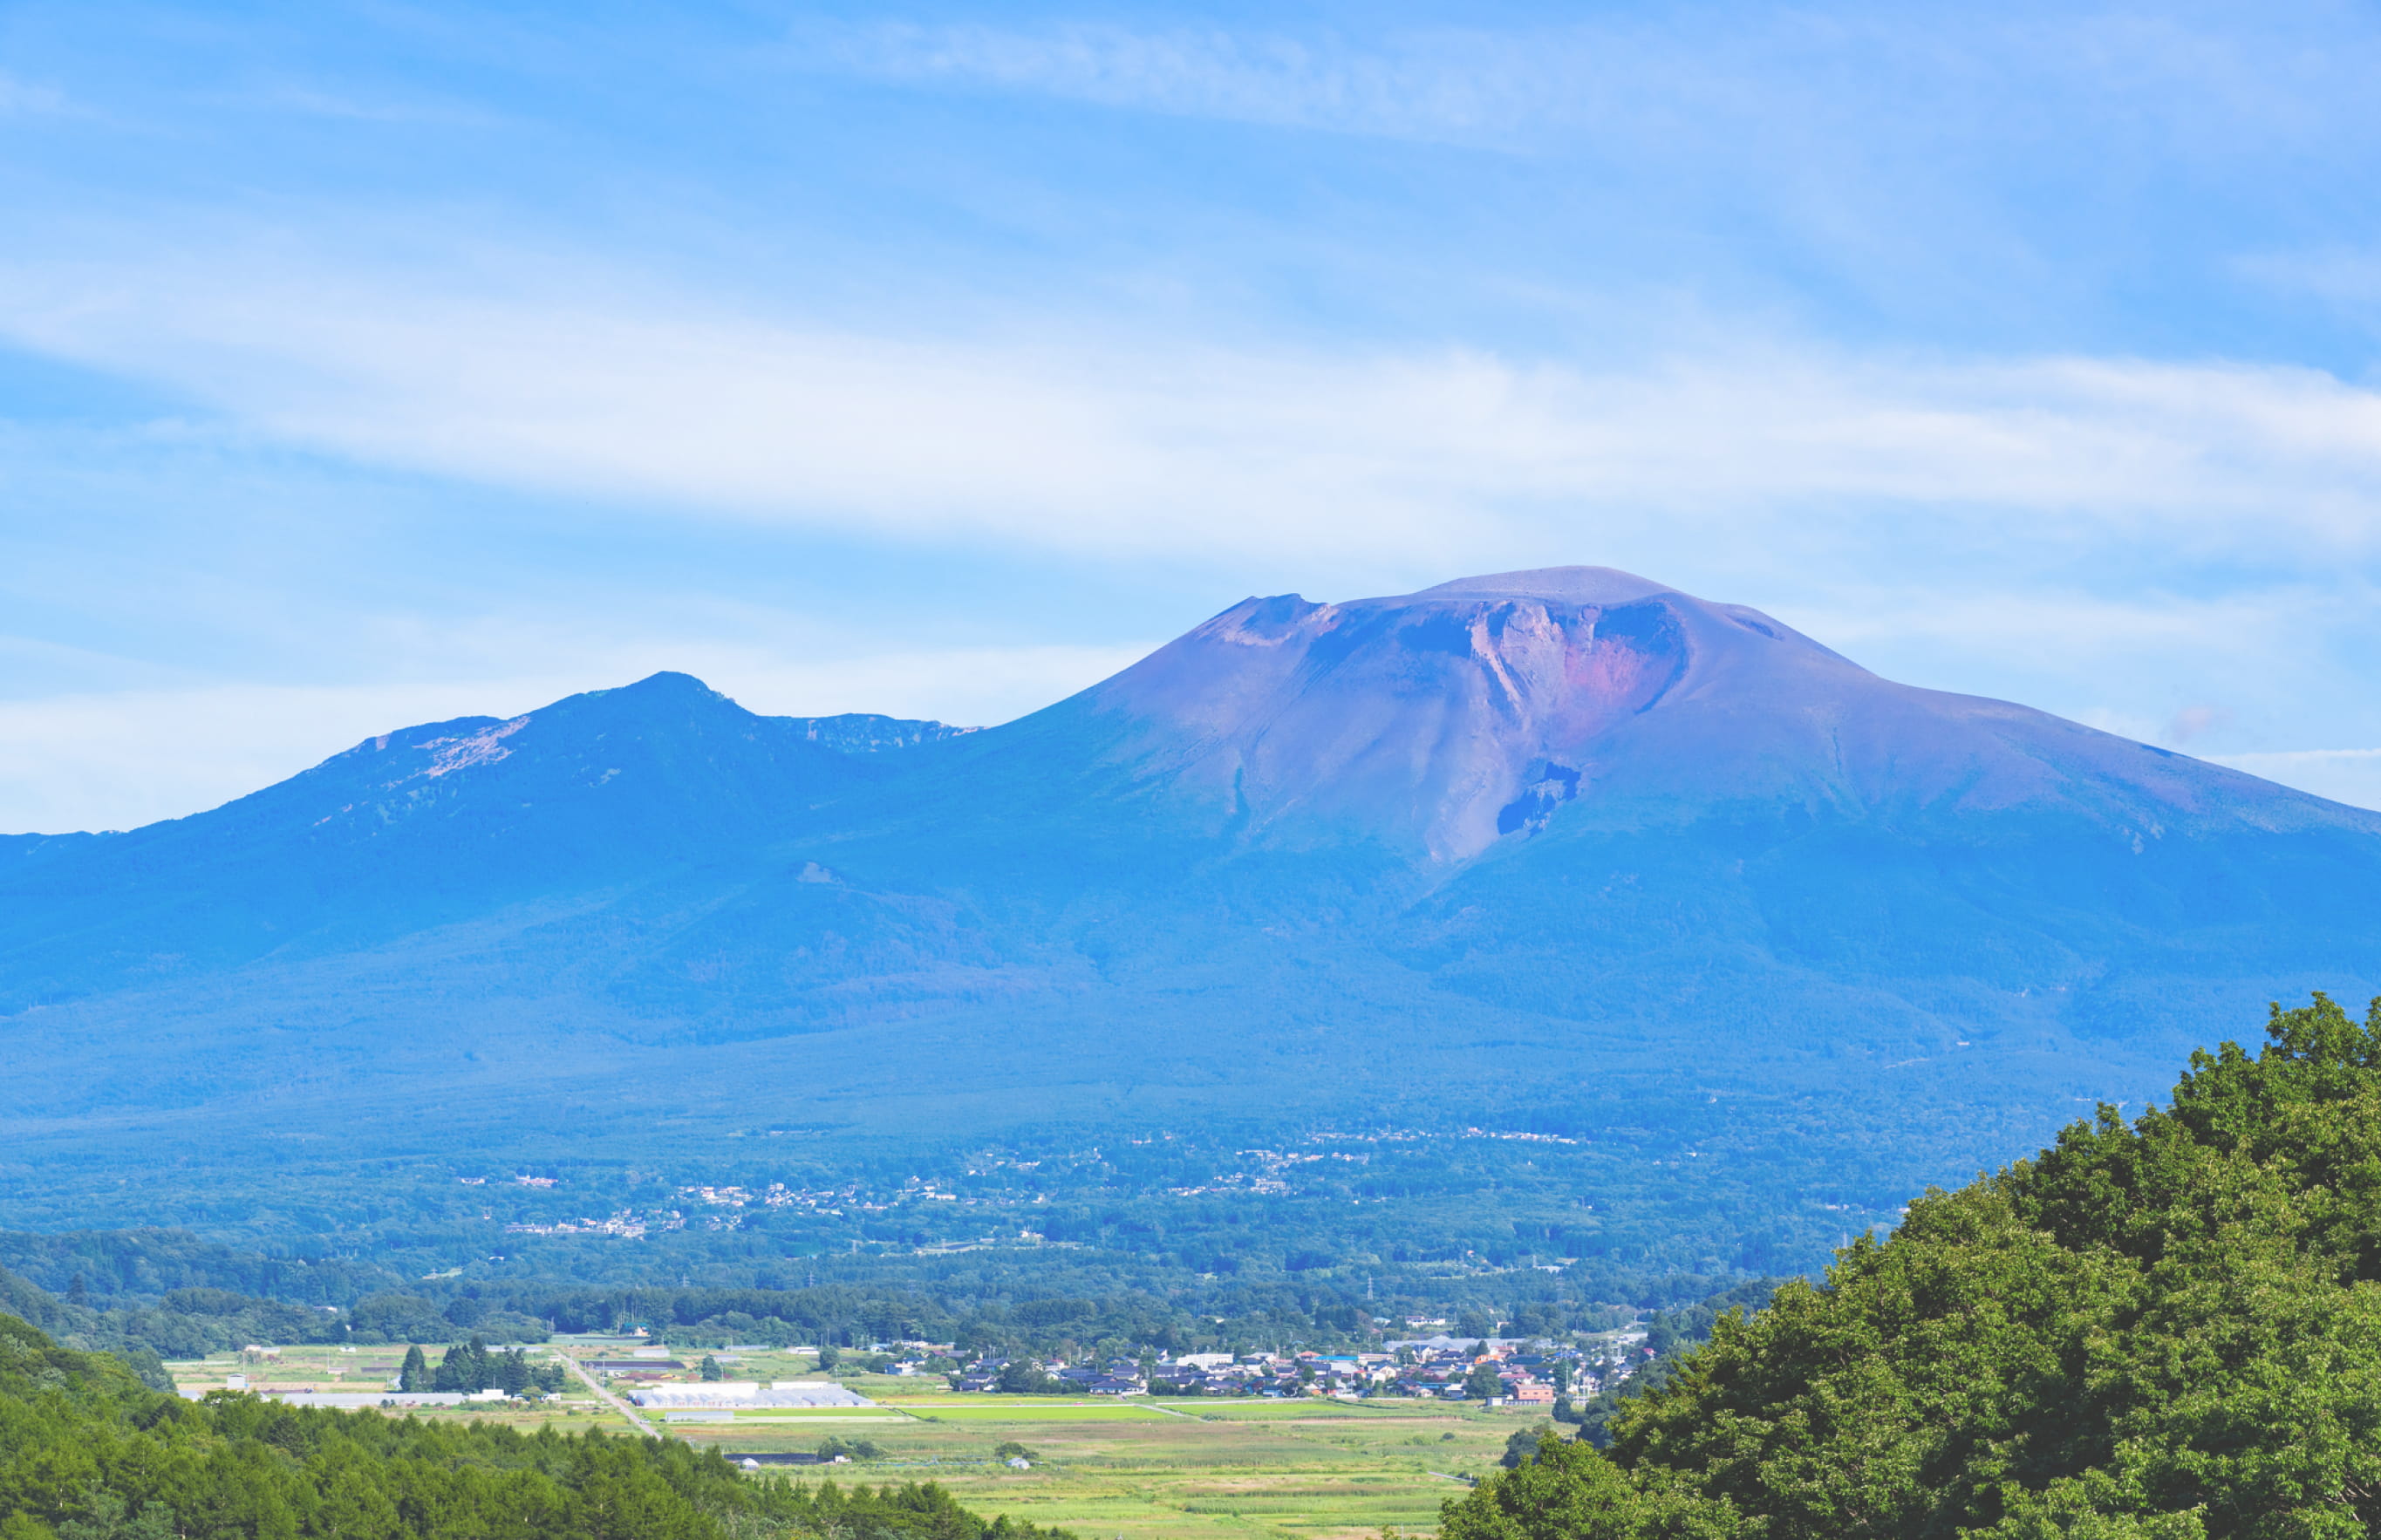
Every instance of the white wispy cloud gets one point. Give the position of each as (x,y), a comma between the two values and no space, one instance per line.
(26,98)
(1412,465)
(2045,629)
(302,99)
(2006,521)
(1772,83)
(2346,278)
(1143,445)
(1467,86)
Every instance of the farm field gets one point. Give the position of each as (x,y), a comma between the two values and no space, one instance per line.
(1137,1469)
(823,1414)
(1045,1409)
(1227,1471)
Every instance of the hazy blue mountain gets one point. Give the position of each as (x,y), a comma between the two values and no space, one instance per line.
(611,790)
(1564,846)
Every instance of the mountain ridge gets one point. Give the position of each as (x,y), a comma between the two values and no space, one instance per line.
(1589,677)
(1671,854)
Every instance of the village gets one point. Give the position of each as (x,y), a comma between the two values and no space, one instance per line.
(1497,1373)
(1500,1372)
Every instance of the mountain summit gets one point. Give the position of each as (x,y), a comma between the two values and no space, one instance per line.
(1472,712)
(1566,849)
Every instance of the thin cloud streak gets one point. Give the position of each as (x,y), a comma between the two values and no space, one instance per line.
(1208,73)
(1141,447)
(1774,82)
(23,98)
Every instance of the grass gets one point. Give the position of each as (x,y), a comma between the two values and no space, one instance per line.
(1229,1471)
(1043,1414)
(829,1413)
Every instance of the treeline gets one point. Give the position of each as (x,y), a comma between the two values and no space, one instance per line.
(397,1317)
(87,1451)
(469,1367)
(1468,1232)
(1312,1313)
(2165,1330)
(1179,1211)
(144,1334)
(1324,1291)
(192,1323)
(994,1303)
(150,1263)
(1308,1311)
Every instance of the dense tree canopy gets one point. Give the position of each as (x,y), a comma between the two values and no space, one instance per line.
(2162,1331)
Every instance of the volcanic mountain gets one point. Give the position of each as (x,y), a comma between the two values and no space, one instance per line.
(1565,842)
(1459,716)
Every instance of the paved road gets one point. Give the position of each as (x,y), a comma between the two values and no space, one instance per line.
(623,1407)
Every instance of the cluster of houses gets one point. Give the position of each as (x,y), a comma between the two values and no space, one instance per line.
(1117,1376)
(1500,1371)
(625,1224)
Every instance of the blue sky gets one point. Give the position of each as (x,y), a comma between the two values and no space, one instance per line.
(362,364)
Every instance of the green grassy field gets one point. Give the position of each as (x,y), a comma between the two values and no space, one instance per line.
(831,1414)
(1242,1471)
(1029,1413)
(1135,1469)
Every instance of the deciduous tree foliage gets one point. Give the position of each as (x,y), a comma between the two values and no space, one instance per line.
(2169,1330)
(89,1453)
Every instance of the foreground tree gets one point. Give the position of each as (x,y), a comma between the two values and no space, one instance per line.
(2169,1330)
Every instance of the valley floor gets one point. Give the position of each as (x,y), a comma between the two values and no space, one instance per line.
(1137,1468)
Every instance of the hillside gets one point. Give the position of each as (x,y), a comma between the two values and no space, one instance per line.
(1564,850)
(2169,1328)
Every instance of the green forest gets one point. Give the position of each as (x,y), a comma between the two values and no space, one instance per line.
(1205,1215)
(1003,1309)
(172,1294)
(2163,1330)
(87,1452)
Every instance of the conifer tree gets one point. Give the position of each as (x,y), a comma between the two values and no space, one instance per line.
(465,1369)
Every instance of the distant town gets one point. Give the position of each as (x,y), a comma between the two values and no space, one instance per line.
(1265,1173)
(1496,1371)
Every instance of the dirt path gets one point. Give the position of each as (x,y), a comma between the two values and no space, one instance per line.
(623,1407)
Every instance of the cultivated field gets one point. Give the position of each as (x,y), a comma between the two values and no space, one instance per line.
(1193,1469)
(1137,1469)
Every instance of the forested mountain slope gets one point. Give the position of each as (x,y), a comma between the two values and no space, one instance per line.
(2168,1329)
(1705,878)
